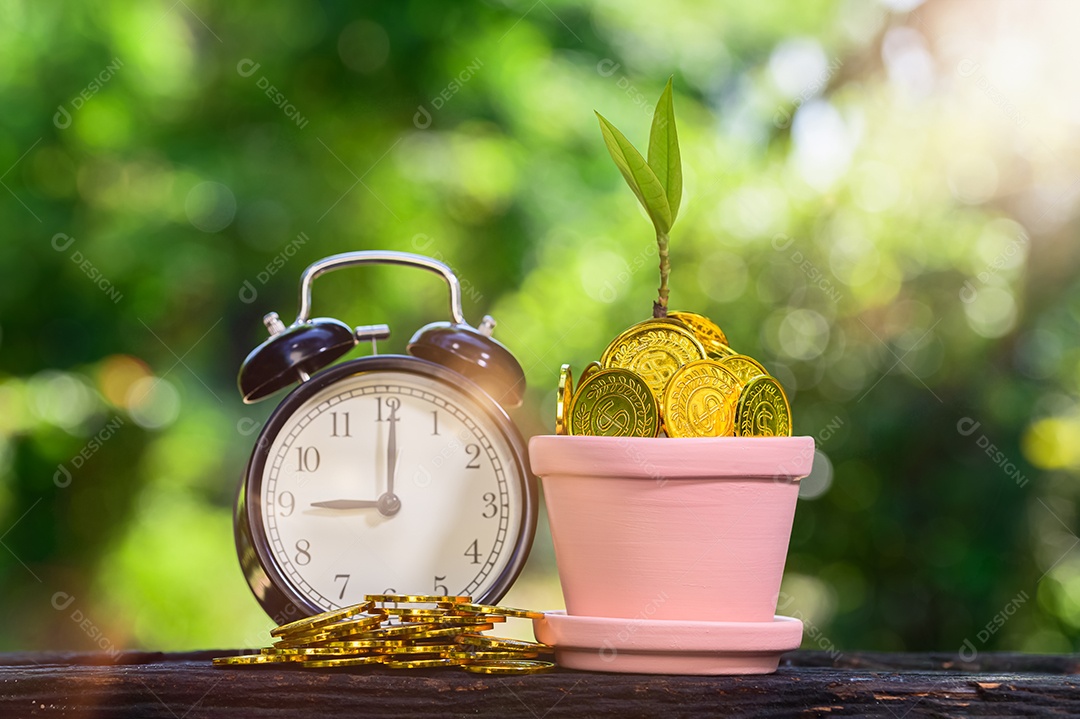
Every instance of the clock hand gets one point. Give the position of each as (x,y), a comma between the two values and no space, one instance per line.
(391,454)
(347,504)
(389,503)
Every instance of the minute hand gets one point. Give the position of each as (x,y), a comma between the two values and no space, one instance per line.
(391,455)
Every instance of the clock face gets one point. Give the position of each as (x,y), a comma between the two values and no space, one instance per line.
(389,482)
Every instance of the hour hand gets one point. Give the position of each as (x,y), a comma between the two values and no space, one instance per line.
(347,504)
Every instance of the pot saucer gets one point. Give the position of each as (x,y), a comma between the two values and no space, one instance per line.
(644,646)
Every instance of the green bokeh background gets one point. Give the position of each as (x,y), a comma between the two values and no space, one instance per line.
(880,205)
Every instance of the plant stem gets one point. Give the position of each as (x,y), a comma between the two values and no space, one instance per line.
(659,309)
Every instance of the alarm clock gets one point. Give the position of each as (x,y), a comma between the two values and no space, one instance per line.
(388,474)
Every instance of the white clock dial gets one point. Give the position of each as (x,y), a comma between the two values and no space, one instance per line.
(390,482)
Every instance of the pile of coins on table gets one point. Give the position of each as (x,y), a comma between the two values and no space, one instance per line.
(400,631)
(676,377)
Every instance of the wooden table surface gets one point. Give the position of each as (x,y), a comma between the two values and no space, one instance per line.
(152,684)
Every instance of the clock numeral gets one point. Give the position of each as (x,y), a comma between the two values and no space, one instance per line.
(307,459)
(489,504)
(287,502)
(441,589)
(303,552)
(473,450)
(344,579)
(435,415)
(474,551)
(344,425)
(392,404)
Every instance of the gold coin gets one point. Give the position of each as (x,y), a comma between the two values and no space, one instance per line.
(743,367)
(653,350)
(480,640)
(614,403)
(394,630)
(318,641)
(415,598)
(505,611)
(720,353)
(301,643)
(513,666)
(562,399)
(424,663)
(700,400)
(408,612)
(420,649)
(589,369)
(708,332)
(335,631)
(462,620)
(344,662)
(248,659)
(321,619)
(355,623)
(763,410)
(353,645)
(309,651)
(487,656)
(454,631)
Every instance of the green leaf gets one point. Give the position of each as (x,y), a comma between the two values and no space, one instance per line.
(664,150)
(638,175)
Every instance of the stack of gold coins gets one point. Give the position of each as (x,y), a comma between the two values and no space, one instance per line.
(676,376)
(399,631)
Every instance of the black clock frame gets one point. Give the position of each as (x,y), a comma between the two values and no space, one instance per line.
(268,583)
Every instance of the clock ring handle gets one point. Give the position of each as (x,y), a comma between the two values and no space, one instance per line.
(378,257)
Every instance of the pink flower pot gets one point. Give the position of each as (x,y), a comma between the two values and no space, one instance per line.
(671,529)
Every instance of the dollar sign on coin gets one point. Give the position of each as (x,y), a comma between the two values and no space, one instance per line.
(699,401)
(653,350)
(614,403)
(763,410)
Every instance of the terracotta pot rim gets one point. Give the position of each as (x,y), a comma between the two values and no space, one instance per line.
(657,635)
(668,646)
(773,458)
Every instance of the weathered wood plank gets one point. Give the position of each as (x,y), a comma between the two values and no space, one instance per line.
(938,661)
(149,684)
